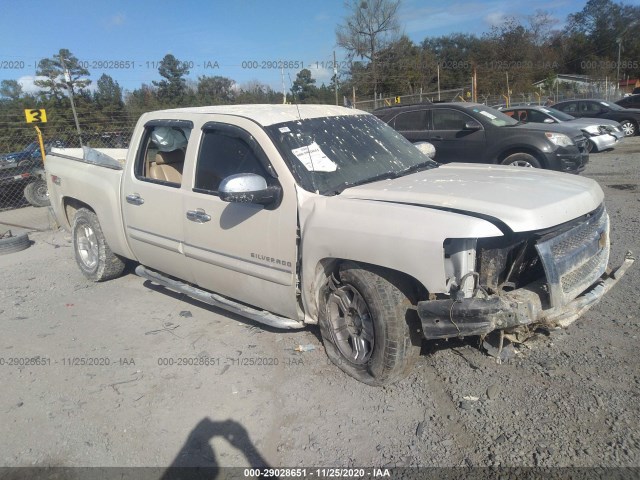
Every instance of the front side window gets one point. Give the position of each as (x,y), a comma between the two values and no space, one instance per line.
(591,108)
(537,117)
(223,154)
(444,119)
(569,107)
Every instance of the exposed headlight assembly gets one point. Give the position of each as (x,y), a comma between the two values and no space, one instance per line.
(559,139)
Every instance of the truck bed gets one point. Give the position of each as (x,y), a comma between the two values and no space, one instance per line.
(75,181)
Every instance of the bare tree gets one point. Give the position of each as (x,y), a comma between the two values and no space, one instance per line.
(370,26)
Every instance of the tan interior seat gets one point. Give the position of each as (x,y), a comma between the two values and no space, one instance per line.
(167,166)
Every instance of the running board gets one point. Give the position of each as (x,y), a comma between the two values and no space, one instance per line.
(219,301)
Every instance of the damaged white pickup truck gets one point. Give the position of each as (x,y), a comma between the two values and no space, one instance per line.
(324,215)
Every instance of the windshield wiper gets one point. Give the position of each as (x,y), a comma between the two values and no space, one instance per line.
(386,176)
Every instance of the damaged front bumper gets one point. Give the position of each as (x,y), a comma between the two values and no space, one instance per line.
(524,306)
(604,141)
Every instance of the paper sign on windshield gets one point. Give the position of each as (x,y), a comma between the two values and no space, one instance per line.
(487,114)
(314,159)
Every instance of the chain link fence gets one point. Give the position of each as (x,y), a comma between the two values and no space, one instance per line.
(593,89)
(24,200)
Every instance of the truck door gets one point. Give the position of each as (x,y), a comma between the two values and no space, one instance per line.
(453,141)
(245,251)
(152,198)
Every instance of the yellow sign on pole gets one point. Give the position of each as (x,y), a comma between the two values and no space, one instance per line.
(35,115)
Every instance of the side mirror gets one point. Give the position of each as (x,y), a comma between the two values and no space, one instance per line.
(248,188)
(548,120)
(426,148)
(472,125)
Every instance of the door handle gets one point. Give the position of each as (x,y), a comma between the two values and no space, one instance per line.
(198,215)
(438,137)
(135,199)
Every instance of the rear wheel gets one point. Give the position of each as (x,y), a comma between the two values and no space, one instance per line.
(94,257)
(37,194)
(521,160)
(367,325)
(628,127)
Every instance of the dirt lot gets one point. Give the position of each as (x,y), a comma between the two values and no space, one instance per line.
(125,380)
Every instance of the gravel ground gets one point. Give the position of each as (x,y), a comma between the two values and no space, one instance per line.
(570,398)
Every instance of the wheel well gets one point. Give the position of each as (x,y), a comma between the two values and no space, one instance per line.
(410,286)
(71,206)
(635,123)
(528,151)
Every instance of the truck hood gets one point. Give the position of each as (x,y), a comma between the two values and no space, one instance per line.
(525,199)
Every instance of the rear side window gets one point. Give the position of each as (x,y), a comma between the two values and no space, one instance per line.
(415,120)
(221,155)
(162,153)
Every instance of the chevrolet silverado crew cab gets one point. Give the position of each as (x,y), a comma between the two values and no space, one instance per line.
(471,132)
(293,215)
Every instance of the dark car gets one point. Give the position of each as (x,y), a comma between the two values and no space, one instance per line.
(24,179)
(471,132)
(601,133)
(629,118)
(30,155)
(632,101)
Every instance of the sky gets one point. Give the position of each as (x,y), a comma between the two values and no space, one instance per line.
(244,40)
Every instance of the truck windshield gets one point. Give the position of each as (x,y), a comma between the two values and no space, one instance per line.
(329,154)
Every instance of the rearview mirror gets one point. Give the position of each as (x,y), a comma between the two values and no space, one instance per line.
(248,188)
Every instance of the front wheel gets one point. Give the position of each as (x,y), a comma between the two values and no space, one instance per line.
(628,127)
(94,257)
(37,194)
(521,160)
(367,324)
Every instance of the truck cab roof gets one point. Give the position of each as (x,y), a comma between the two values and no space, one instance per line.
(264,115)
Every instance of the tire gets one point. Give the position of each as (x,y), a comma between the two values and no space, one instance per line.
(591,147)
(14,244)
(380,344)
(629,128)
(521,160)
(94,257)
(36,194)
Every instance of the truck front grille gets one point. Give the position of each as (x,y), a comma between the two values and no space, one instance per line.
(576,258)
